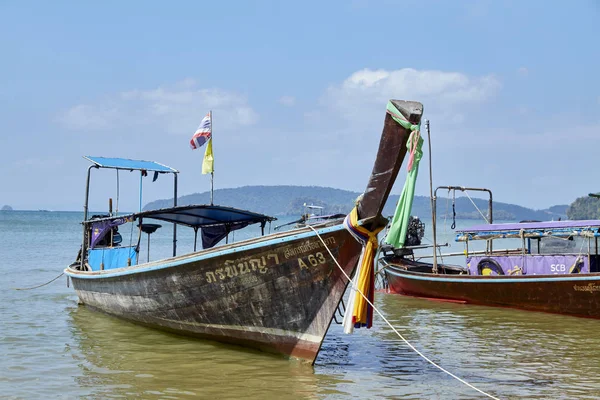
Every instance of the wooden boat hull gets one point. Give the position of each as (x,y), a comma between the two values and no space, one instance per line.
(574,294)
(277,293)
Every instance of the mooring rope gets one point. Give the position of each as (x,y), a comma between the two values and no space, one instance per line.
(578,259)
(484,217)
(392,327)
(43,284)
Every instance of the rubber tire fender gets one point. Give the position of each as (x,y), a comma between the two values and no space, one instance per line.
(489,261)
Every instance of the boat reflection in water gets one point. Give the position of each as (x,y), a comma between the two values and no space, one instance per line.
(516,353)
(123,359)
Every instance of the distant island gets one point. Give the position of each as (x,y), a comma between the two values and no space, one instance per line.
(6,208)
(285,200)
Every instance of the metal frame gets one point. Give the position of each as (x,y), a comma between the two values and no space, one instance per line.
(84,244)
(434,215)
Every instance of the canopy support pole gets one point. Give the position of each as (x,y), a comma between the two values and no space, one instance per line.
(175,205)
(148,254)
(195,237)
(85,216)
(141,185)
(433,202)
(212,179)
(117,208)
(212,173)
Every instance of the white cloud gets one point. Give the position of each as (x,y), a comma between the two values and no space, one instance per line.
(176,108)
(442,92)
(86,117)
(287,100)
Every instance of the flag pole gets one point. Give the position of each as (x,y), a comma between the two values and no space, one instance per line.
(212,173)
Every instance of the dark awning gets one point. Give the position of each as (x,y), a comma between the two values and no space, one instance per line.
(197,216)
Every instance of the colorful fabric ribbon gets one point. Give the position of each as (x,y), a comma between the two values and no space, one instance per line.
(359,312)
(399,226)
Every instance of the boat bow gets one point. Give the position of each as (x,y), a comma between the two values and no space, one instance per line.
(391,153)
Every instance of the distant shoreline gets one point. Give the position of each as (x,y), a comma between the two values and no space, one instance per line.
(289,200)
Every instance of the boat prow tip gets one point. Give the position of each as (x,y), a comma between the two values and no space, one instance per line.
(408,106)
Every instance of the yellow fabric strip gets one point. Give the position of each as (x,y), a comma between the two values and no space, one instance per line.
(365,270)
(365,280)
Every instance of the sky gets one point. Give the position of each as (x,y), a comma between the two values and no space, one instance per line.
(298,92)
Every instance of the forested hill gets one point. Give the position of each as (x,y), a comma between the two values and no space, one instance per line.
(584,208)
(289,200)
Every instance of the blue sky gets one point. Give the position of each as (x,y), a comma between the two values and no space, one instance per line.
(298,91)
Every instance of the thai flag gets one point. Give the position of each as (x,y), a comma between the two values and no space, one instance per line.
(202,134)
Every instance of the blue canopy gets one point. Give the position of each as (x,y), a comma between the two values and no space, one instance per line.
(124,163)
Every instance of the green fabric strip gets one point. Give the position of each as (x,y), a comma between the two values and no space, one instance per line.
(399,226)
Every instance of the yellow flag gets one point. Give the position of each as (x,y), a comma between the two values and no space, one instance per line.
(209,162)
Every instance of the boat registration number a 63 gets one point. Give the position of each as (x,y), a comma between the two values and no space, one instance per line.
(558,268)
(312,259)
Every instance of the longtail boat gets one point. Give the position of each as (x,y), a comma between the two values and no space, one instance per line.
(277,292)
(554,266)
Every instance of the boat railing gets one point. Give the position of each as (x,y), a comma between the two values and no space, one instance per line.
(497,252)
(387,249)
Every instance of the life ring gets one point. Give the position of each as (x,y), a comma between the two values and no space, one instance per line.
(489,266)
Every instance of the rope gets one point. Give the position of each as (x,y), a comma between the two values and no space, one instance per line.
(117,209)
(453,226)
(578,259)
(394,329)
(475,205)
(446,213)
(581,247)
(43,284)
(516,271)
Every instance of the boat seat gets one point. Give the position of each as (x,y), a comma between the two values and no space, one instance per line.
(388,249)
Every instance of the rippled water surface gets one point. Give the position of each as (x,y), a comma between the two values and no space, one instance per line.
(52,348)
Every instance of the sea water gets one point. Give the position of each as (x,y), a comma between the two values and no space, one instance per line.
(52,348)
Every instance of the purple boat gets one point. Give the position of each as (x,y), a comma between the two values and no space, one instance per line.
(552,267)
